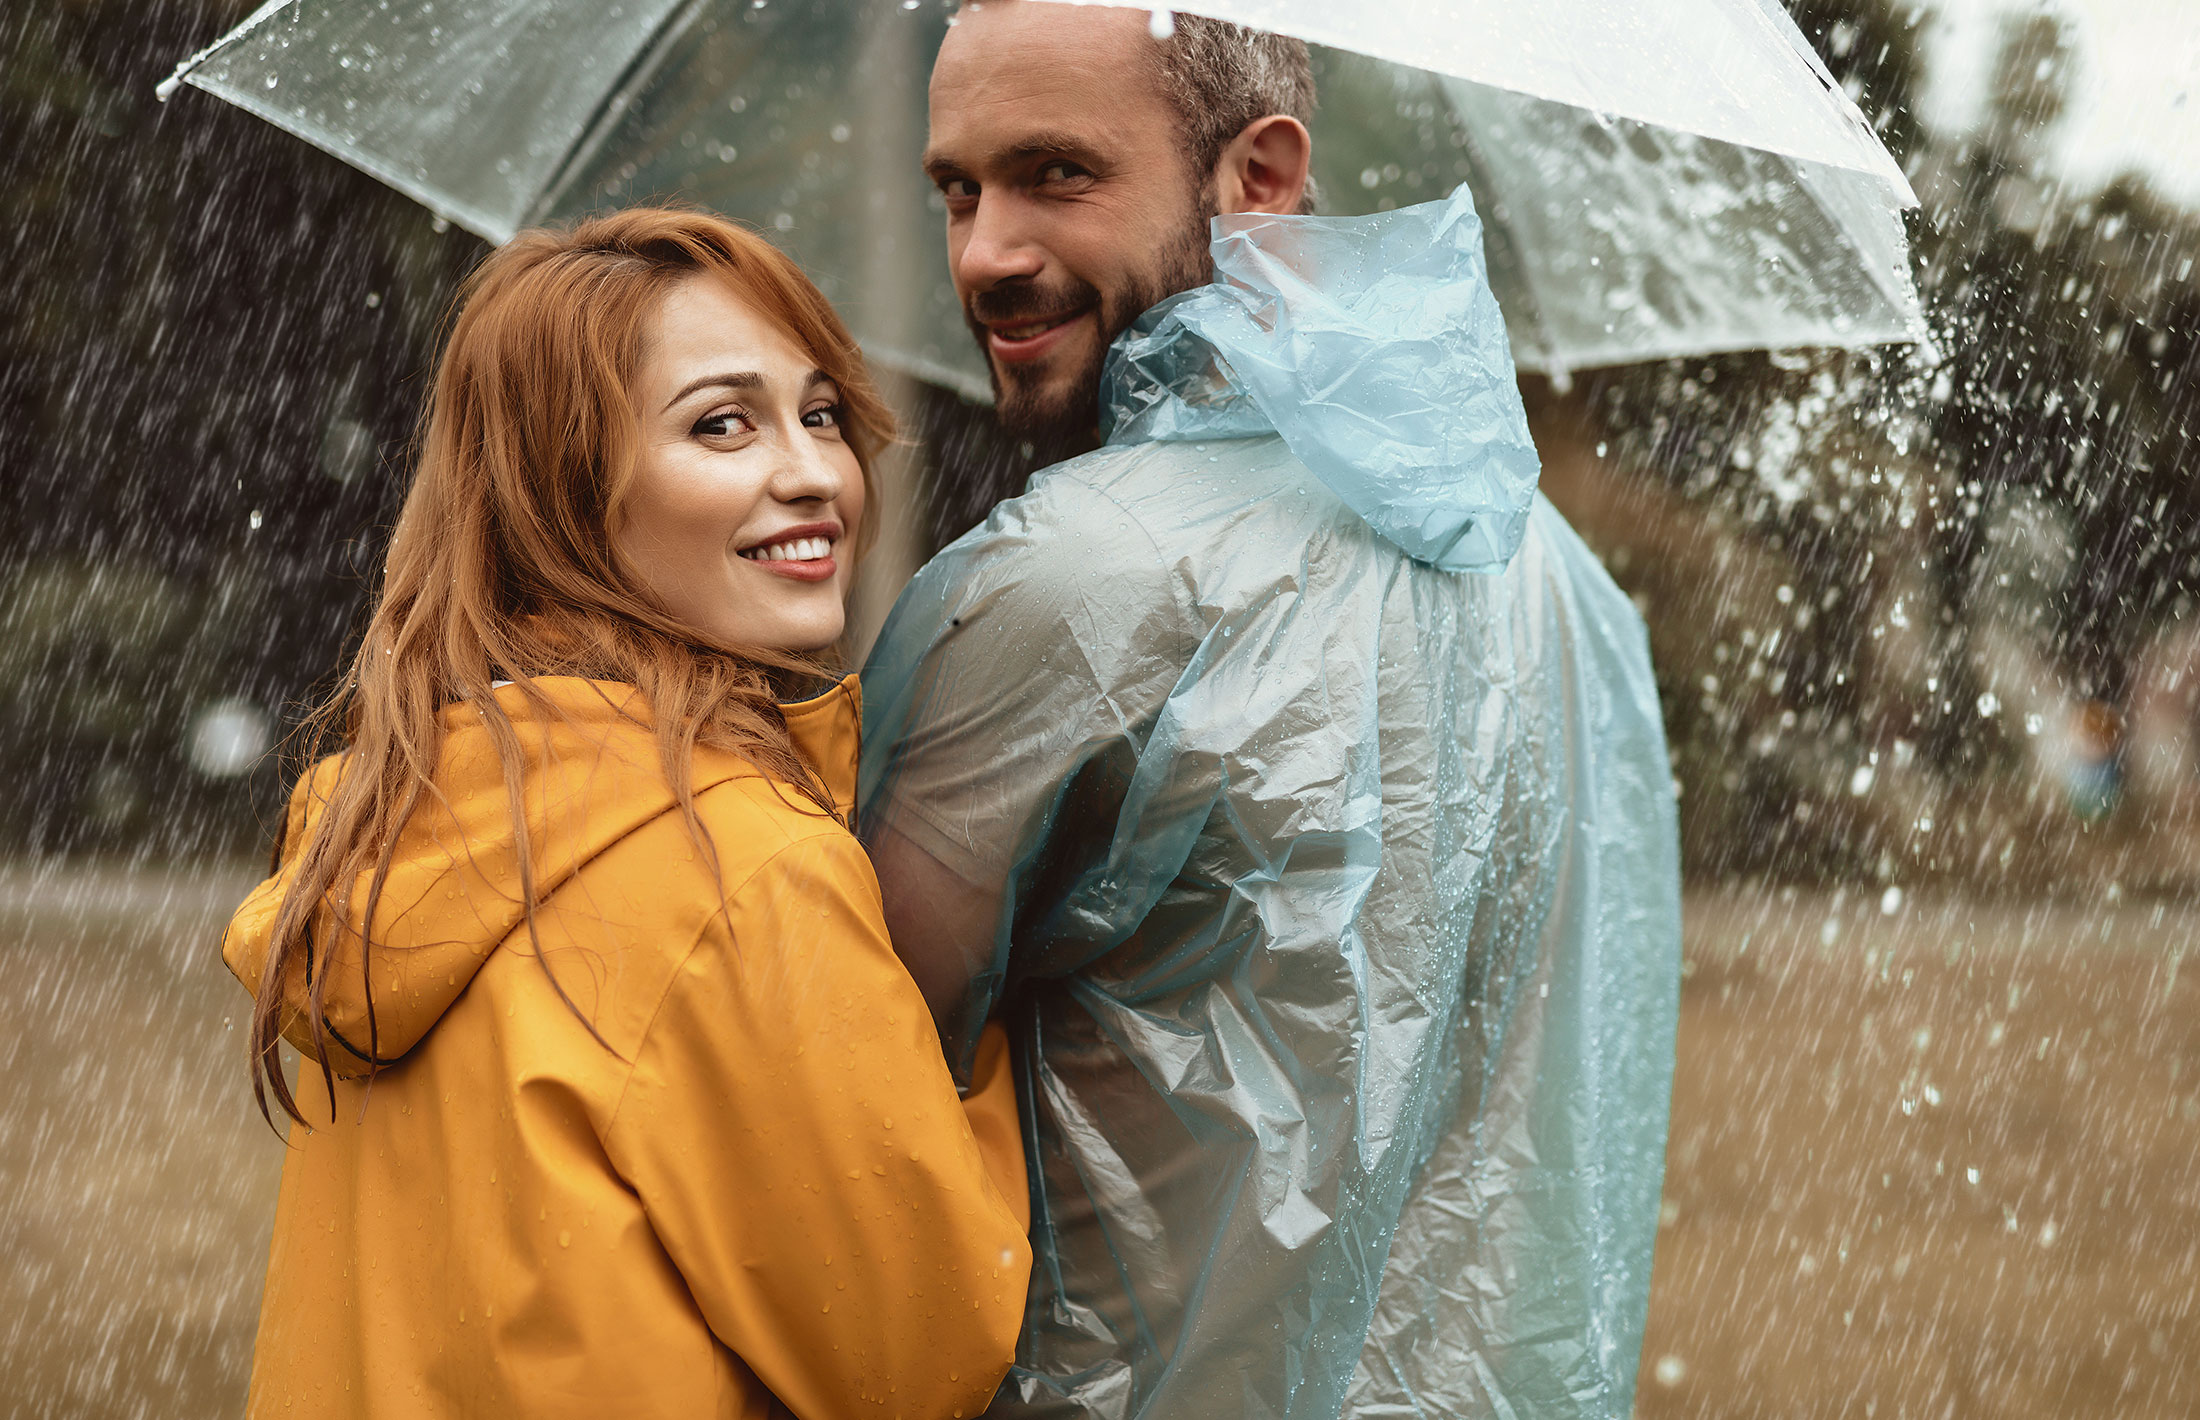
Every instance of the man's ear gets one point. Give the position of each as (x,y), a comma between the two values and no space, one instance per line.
(1264,168)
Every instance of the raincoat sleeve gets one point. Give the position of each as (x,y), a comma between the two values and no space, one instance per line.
(872,1260)
(1018,680)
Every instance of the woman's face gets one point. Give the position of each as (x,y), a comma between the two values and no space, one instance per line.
(746,501)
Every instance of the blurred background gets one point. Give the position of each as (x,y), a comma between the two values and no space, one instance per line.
(1924,623)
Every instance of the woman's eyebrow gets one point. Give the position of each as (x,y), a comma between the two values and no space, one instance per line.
(744,380)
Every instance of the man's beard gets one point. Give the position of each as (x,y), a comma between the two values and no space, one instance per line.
(1066,416)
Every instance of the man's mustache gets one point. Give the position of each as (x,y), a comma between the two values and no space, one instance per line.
(1025,302)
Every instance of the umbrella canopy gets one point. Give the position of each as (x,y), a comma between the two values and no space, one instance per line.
(1659,177)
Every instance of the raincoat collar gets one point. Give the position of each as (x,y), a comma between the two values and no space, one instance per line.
(454,894)
(1374,347)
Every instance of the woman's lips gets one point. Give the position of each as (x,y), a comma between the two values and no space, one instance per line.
(819,569)
(802,559)
(1031,340)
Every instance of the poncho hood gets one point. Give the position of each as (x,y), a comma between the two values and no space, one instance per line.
(1374,347)
(591,777)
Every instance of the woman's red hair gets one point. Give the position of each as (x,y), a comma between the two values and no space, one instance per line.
(501,566)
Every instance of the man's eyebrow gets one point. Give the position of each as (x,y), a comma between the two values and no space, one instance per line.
(1043,144)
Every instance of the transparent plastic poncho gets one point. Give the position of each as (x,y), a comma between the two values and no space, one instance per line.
(1318,770)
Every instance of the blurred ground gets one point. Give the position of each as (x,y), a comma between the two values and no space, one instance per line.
(1938,1162)
(1826,1251)
(136,1182)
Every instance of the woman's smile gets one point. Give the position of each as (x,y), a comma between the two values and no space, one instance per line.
(803,553)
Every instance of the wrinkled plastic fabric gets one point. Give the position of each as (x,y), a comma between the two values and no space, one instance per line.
(1375,348)
(1339,926)
(1669,178)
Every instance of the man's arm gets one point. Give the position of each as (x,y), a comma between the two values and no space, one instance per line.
(1048,637)
(942,926)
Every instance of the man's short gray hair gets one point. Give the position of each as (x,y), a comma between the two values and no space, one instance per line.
(1219,78)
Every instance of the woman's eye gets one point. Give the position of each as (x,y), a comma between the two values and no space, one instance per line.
(824,417)
(723,425)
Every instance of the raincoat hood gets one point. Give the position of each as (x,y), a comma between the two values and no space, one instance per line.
(454,894)
(1374,347)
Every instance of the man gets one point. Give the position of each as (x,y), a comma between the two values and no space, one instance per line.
(1292,787)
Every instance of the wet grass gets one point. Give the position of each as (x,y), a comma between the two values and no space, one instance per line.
(1826,1251)
(1938,1162)
(136,1182)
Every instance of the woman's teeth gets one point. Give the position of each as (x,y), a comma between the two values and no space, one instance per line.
(801,549)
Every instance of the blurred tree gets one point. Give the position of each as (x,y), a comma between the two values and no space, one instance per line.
(211,330)
(1883,488)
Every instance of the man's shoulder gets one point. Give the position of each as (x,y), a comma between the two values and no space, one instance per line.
(1168,491)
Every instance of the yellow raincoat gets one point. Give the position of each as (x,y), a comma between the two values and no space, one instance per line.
(760,1184)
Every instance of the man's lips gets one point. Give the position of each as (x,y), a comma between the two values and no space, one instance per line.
(1013,342)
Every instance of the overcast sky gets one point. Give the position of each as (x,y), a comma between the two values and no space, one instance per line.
(2136,102)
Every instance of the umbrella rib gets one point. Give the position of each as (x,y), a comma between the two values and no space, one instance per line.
(167,87)
(613,108)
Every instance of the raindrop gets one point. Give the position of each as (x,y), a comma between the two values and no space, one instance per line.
(1890,902)
(228,738)
(1671,1370)
(1162,25)
(254,521)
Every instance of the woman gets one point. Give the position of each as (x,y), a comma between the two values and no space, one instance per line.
(630,1109)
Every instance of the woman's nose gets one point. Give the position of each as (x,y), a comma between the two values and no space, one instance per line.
(808,471)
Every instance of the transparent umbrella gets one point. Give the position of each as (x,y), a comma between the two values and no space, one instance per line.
(1658,177)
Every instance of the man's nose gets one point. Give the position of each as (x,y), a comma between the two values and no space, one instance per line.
(997,246)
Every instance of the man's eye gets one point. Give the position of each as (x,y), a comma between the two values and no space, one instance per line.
(1061,172)
(960,188)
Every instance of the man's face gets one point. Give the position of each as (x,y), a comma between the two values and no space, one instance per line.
(1070,207)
